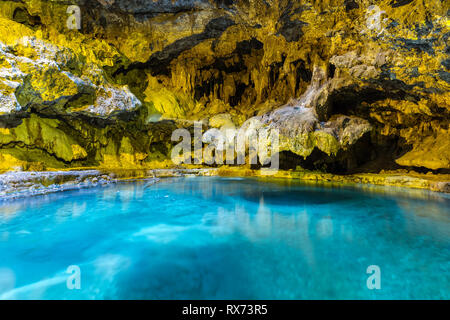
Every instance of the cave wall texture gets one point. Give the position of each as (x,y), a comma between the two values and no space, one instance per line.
(352,85)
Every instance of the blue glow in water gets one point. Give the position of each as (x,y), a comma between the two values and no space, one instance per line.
(225,238)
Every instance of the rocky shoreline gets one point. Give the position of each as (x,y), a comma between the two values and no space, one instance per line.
(25,184)
(349,88)
(14,185)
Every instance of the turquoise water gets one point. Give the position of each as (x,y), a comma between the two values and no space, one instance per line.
(225,238)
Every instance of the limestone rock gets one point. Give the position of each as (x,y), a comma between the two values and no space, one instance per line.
(39,74)
(301,131)
(334,76)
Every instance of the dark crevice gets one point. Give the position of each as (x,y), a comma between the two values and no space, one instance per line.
(292,30)
(207,87)
(350,5)
(234,63)
(236,99)
(303,75)
(8,121)
(420,45)
(20,144)
(331,70)
(370,154)
(22,16)
(348,100)
(399,3)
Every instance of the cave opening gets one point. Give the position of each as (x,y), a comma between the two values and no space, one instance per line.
(370,154)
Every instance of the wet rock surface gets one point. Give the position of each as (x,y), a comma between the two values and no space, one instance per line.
(25,184)
(19,184)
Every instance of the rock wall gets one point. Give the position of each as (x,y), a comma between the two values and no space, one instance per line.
(352,85)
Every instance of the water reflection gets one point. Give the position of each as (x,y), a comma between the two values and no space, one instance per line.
(219,237)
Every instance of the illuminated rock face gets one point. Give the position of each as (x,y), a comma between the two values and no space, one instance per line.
(352,85)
